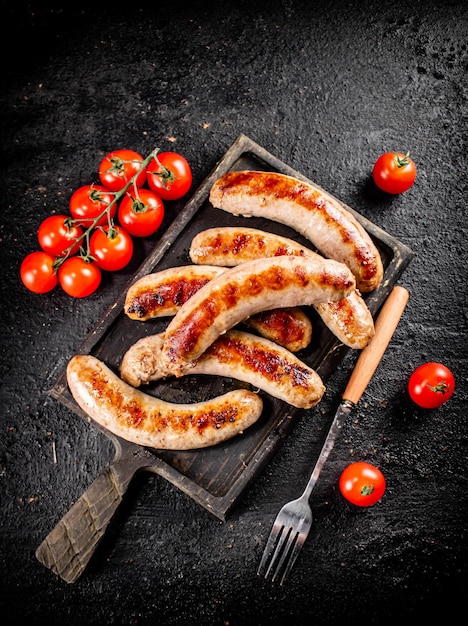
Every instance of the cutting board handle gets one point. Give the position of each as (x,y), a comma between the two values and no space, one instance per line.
(371,355)
(68,548)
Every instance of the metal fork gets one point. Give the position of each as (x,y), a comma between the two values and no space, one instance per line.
(292,524)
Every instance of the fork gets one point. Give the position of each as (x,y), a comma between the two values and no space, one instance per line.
(293,523)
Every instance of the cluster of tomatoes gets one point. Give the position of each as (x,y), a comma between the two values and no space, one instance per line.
(98,233)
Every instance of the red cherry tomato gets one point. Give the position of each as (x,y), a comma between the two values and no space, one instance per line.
(431,385)
(118,167)
(88,202)
(141,216)
(57,234)
(79,278)
(37,272)
(112,248)
(169,175)
(362,484)
(394,172)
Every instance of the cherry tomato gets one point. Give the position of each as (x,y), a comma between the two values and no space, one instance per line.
(112,248)
(78,277)
(88,202)
(362,484)
(394,172)
(57,234)
(431,385)
(169,175)
(143,215)
(118,167)
(37,272)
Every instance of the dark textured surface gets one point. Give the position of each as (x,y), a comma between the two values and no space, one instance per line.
(326,87)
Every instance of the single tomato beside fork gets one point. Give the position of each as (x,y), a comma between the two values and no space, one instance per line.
(362,484)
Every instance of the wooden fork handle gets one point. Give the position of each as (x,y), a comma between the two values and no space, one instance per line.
(371,355)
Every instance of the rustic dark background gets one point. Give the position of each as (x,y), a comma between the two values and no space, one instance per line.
(326,87)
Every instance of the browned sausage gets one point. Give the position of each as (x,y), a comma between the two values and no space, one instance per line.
(310,211)
(149,421)
(245,290)
(349,319)
(162,293)
(236,354)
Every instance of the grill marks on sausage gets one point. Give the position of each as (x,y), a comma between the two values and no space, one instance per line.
(270,364)
(291,324)
(163,292)
(246,290)
(240,242)
(312,212)
(343,310)
(149,421)
(232,245)
(169,296)
(235,354)
(130,413)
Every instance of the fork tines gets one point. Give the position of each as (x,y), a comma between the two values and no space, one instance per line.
(286,542)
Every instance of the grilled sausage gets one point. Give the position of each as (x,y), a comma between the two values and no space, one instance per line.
(289,327)
(230,245)
(162,294)
(349,319)
(245,290)
(310,211)
(238,355)
(149,421)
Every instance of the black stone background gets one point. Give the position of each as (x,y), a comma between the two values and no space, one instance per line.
(326,87)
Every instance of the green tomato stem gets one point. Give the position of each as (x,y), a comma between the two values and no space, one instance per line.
(401,162)
(166,175)
(367,490)
(85,251)
(442,387)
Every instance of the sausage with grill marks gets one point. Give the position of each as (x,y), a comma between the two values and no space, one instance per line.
(245,290)
(162,293)
(149,421)
(319,217)
(289,327)
(236,354)
(348,319)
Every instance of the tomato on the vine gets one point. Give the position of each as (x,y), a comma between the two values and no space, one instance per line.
(394,172)
(169,175)
(111,247)
(38,273)
(362,484)
(88,202)
(58,235)
(79,277)
(142,214)
(118,167)
(431,385)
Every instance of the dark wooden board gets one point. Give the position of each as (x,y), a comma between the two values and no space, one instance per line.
(216,477)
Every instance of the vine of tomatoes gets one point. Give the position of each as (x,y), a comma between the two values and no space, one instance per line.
(104,217)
